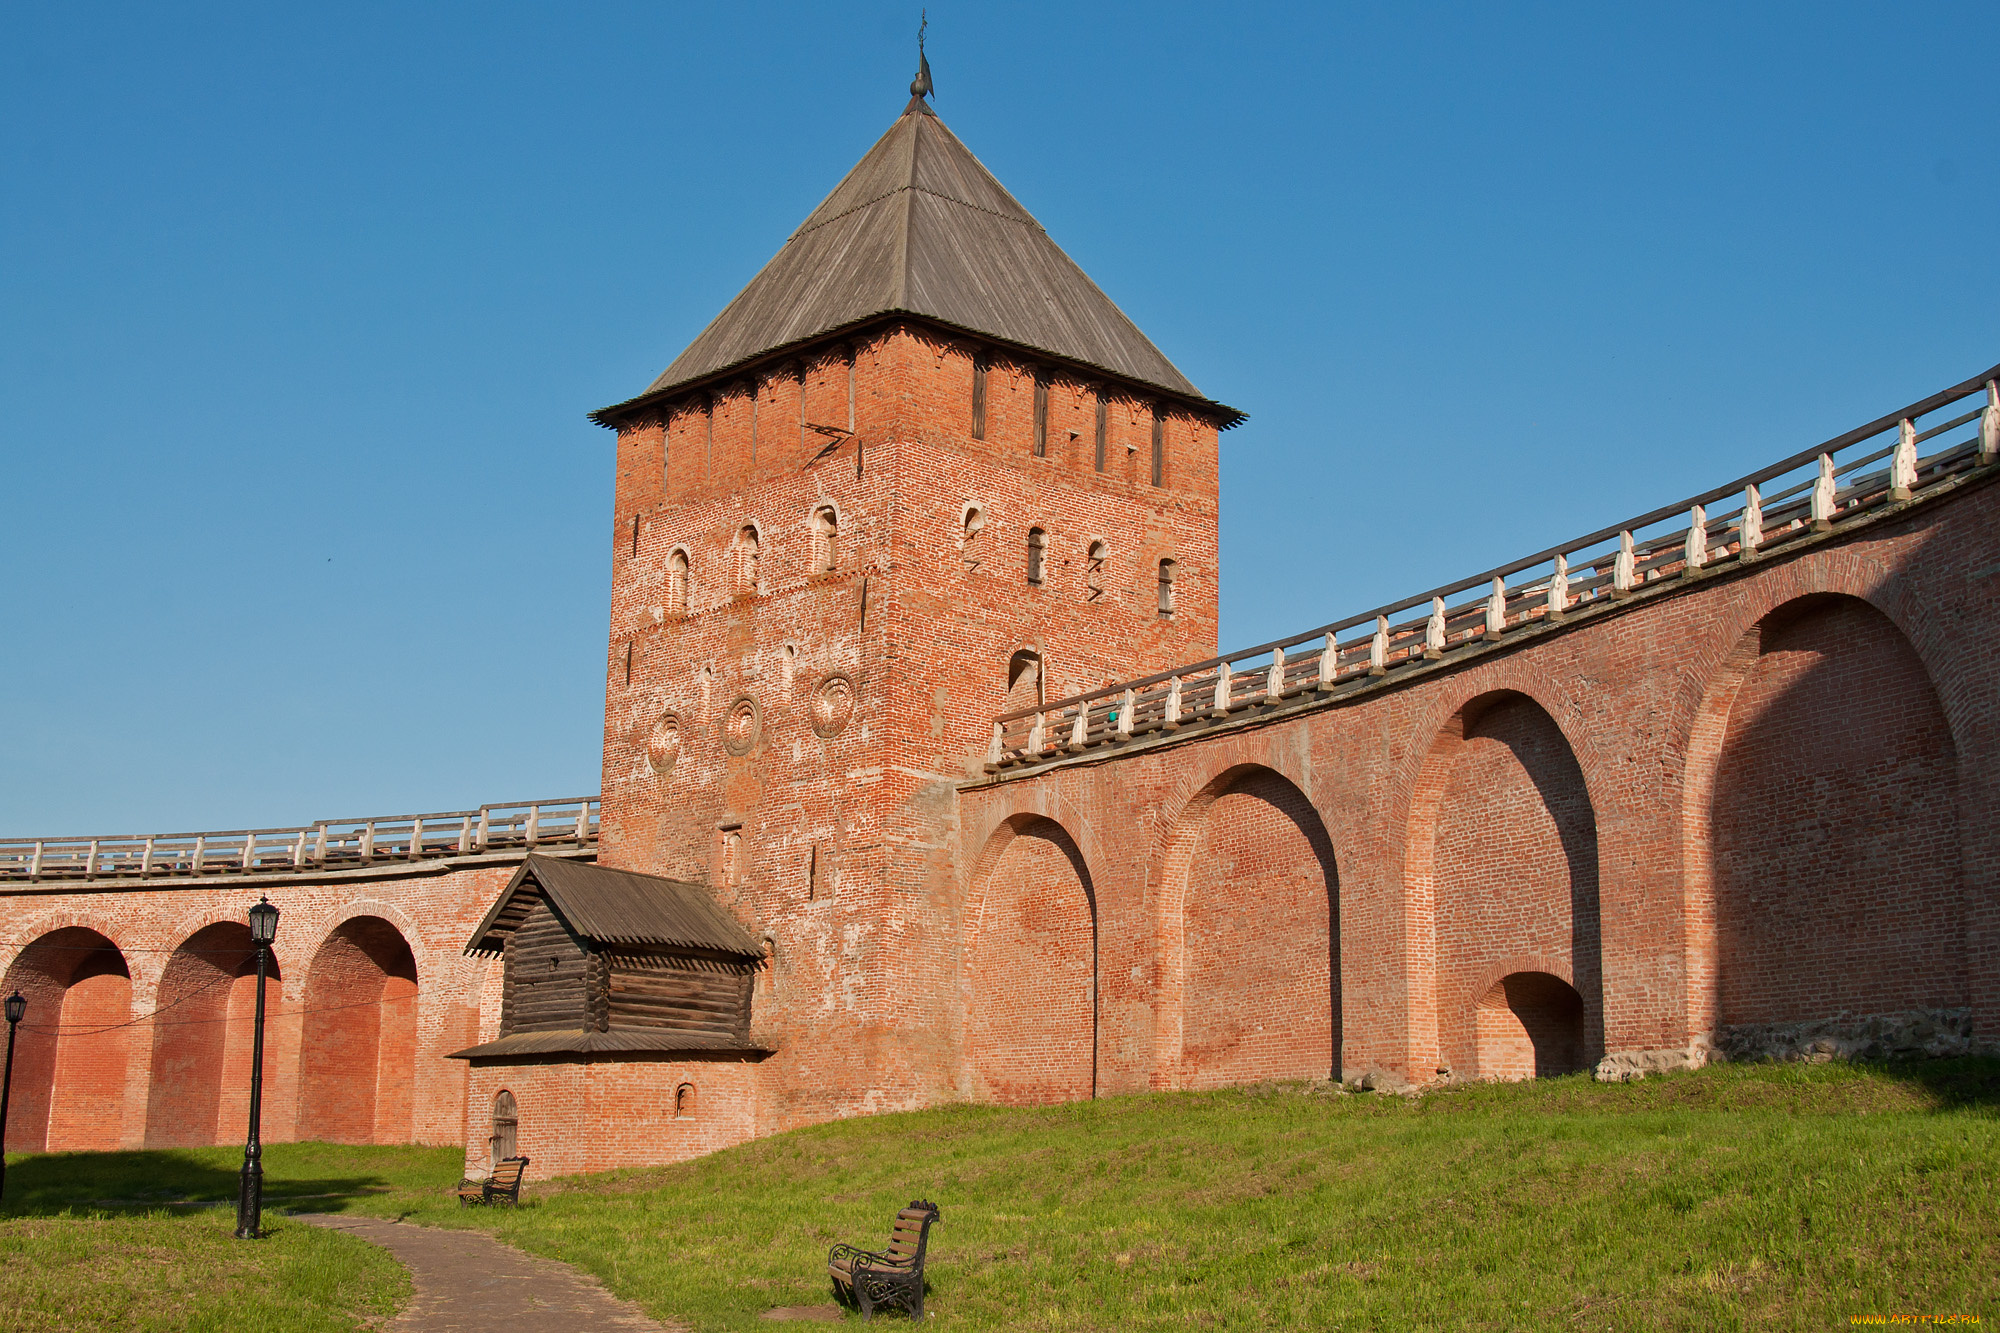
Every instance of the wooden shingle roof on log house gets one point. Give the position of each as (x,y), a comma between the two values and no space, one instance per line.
(921,228)
(613,907)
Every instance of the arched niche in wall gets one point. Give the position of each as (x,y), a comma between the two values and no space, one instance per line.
(1833,822)
(1253,944)
(74,1044)
(1503,845)
(203,1031)
(1031,966)
(357,1054)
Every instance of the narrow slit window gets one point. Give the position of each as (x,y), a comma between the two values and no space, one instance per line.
(1038,554)
(748,556)
(979,368)
(826,535)
(1103,413)
(635,534)
(1168,570)
(677,583)
(1041,415)
(684,1097)
(972,548)
(1159,445)
(1093,571)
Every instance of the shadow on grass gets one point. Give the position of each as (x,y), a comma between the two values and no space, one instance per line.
(1964,1083)
(317,1177)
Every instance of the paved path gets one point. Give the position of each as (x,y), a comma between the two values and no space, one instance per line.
(467,1282)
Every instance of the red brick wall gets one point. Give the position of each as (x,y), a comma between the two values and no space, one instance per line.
(1259,971)
(360,1025)
(1827,763)
(1031,960)
(186,1068)
(1837,852)
(87,1101)
(74,980)
(610,1113)
(1514,867)
(190,1035)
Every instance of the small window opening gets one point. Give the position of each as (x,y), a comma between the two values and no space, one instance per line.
(1159,445)
(732,855)
(1024,680)
(748,553)
(850,408)
(1168,569)
(1103,413)
(979,368)
(635,534)
(1041,415)
(971,546)
(1093,571)
(1038,554)
(826,532)
(788,660)
(677,583)
(628,661)
(503,1142)
(684,1102)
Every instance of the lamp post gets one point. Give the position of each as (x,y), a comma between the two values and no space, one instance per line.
(250,1197)
(17,1008)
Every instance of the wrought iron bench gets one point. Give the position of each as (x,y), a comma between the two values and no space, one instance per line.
(894,1276)
(503,1186)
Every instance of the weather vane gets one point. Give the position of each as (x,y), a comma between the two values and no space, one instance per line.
(921,85)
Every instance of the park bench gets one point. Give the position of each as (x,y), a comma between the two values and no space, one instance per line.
(894,1276)
(503,1186)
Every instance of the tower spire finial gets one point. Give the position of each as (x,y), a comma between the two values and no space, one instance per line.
(920,87)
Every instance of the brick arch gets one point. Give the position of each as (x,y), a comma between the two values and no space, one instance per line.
(73,1046)
(1528,1023)
(202,1020)
(357,1047)
(1031,966)
(1501,864)
(1248,935)
(1820,822)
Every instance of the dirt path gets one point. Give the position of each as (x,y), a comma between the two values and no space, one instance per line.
(467,1282)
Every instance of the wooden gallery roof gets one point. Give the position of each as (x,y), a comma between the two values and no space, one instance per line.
(919,227)
(609,908)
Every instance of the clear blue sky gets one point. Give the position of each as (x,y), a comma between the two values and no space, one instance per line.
(301,309)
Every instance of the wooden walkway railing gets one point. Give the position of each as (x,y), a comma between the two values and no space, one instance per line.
(1849,478)
(331,844)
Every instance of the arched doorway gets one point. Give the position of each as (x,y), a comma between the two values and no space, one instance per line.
(1528,1025)
(357,1054)
(202,1038)
(1503,843)
(1260,979)
(1032,968)
(73,1048)
(1835,854)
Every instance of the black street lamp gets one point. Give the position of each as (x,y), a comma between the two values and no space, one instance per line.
(250,1197)
(17,1008)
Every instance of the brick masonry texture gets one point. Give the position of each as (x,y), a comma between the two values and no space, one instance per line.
(1747,806)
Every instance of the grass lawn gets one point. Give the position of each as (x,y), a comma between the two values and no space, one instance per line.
(1743,1196)
(96,1241)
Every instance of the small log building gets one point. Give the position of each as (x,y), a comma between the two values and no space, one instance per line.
(602,960)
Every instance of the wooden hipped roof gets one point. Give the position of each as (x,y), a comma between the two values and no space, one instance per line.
(613,907)
(920,227)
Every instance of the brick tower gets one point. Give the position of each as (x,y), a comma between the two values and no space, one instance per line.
(919,471)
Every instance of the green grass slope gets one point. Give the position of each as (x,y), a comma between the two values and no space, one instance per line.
(1738,1197)
(1750,1196)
